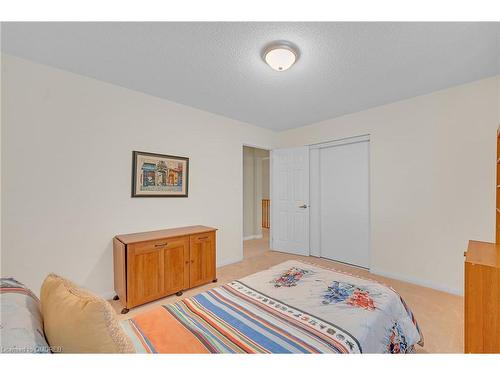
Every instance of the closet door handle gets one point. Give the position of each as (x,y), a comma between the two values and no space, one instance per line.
(303,206)
(161,244)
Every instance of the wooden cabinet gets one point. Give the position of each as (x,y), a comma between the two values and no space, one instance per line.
(497,235)
(482,287)
(152,265)
(482,298)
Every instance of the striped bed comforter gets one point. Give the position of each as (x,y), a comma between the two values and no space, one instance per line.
(293,307)
(21,323)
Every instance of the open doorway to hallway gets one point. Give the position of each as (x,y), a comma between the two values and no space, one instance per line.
(256,203)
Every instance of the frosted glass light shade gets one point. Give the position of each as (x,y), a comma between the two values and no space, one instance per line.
(280,57)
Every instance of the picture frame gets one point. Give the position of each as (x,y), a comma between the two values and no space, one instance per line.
(159,175)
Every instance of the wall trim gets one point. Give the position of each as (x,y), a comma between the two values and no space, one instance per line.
(341,141)
(413,280)
(229,261)
(107,296)
(253,237)
(375,271)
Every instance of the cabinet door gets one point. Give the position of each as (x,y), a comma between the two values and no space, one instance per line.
(482,297)
(202,257)
(145,273)
(176,259)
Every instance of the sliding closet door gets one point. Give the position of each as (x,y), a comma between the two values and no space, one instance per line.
(344,200)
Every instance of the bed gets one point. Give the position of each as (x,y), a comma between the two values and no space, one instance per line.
(293,307)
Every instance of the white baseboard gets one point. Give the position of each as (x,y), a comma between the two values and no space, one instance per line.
(416,281)
(107,295)
(229,261)
(375,271)
(253,237)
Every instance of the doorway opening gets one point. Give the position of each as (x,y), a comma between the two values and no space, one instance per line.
(256,201)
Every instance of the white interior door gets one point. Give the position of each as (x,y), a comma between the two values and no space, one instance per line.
(290,200)
(344,203)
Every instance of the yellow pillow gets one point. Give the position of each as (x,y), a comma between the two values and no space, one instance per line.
(76,321)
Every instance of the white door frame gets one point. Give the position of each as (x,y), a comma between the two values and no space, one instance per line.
(314,212)
(241,197)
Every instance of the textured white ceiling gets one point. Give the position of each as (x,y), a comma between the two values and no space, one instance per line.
(217,67)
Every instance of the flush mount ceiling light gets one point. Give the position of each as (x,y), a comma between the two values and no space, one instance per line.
(281,55)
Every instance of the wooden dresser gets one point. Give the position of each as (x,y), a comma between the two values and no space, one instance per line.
(152,265)
(482,297)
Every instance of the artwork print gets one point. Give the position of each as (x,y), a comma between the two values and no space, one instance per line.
(157,175)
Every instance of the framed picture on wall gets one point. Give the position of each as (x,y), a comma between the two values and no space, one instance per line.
(157,175)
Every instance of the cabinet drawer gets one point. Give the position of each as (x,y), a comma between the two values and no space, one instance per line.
(167,243)
(203,237)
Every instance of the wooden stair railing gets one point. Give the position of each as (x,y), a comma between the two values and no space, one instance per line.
(266,213)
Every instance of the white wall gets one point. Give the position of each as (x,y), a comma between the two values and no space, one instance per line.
(248,193)
(266,182)
(67,146)
(259,156)
(432,178)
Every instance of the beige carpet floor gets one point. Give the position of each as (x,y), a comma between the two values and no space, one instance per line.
(439,314)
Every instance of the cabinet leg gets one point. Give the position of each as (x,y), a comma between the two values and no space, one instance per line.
(116,298)
(179,293)
(125,310)
(214,280)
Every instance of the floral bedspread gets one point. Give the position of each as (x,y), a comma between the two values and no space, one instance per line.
(375,315)
(293,307)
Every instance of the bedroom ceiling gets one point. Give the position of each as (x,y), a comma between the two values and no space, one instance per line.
(217,67)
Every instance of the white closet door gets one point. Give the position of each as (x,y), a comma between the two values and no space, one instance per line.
(290,200)
(344,199)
